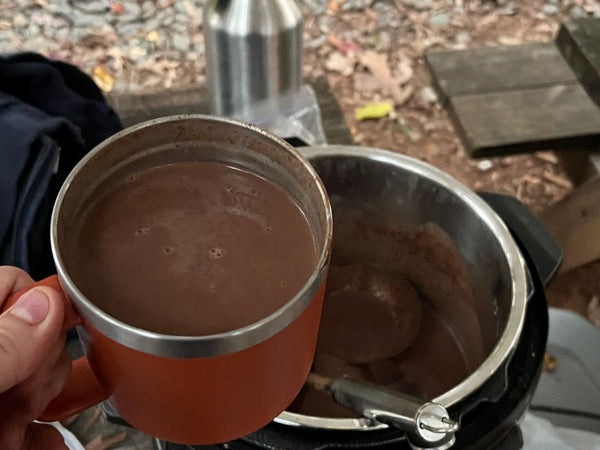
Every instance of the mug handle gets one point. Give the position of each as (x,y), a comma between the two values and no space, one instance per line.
(83,389)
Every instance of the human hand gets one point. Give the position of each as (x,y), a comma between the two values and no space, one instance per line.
(34,363)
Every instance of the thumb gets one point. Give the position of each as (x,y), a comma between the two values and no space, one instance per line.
(28,330)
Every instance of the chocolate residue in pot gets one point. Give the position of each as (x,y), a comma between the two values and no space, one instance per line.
(409,277)
(426,256)
(433,364)
(377,313)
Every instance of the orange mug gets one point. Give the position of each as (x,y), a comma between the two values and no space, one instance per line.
(191,389)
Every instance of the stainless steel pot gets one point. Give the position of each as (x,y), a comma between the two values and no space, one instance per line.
(388,187)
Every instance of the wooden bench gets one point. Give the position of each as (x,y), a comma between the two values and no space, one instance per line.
(513,99)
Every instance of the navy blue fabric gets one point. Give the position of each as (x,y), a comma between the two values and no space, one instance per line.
(51,115)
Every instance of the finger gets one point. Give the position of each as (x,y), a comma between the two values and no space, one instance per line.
(28,331)
(43,386)
(57,378)
(12,279)
(28,400)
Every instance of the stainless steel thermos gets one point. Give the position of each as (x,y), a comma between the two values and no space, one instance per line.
(253,51)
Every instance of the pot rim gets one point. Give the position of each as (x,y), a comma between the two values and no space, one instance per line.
(178,346)
(516,317)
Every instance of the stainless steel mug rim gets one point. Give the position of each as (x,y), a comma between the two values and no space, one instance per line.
(509,337)
(192,346)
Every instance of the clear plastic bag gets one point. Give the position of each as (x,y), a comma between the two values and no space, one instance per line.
(295,114)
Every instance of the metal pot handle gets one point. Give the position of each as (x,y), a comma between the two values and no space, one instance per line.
(426,424)
(529,233)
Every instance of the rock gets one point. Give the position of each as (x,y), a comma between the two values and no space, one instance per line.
(78,32)
(317,6)
(148,9)
(484,165)
(317,42)
(127,29)
(33,30)
(59,33)
(577,13)
(553,2)
(181,42)
(133,11)
(7,47)
(428,95)
(152,24)
(19,21)
(85,20)
(385,41)
(510,9)
(550,10)
(60,7)
(355,5)
(165,17)
(136,53)
(324,24)
(93,6)
(339,63)
(419,5)
(440,20)
(384,13)
(463,37)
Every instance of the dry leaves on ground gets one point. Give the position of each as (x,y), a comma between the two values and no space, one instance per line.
(103,78)
(378,65)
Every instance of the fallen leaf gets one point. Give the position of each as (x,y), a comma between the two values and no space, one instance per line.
(559,181)
(509,40)
(100,444)
(377,64)
(117,8)
(550,362)
(406,129)
(343,46)
(373,111)
(152,36)
(547,157)
(404,71)
(117,56)
(137,52)
(189,9)
(404,94)
(42,4)
(340,63)
(333,6)
(365,82)
(103,78)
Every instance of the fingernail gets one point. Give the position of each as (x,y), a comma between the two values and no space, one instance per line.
(32,307)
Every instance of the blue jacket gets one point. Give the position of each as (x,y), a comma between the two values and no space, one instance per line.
(51,115)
